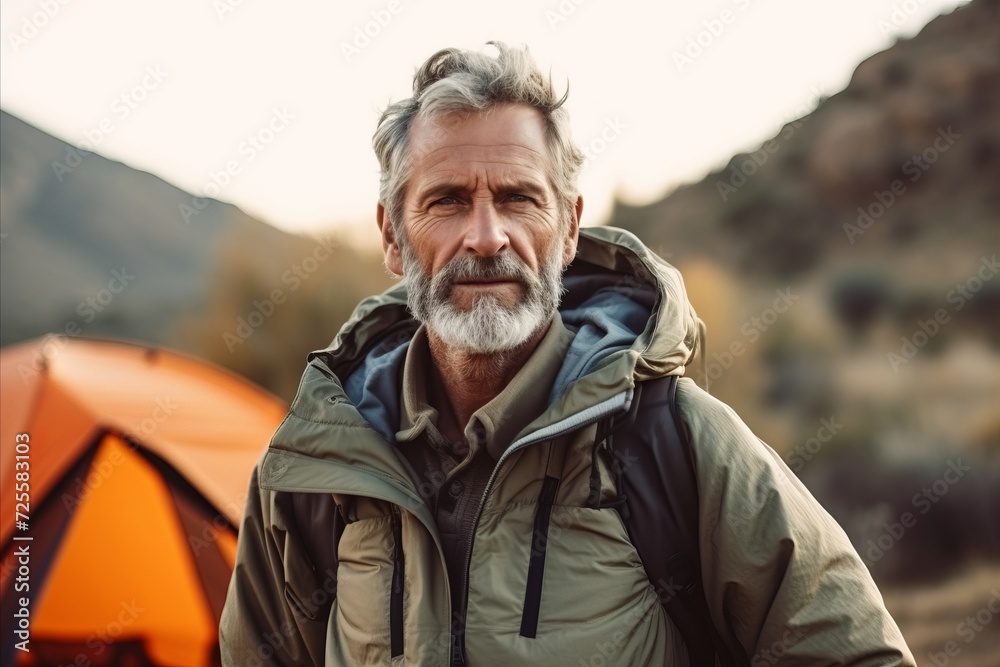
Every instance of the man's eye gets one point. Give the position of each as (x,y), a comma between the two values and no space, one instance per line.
(518,199)
(445,201)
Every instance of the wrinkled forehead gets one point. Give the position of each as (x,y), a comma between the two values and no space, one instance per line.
(509,132)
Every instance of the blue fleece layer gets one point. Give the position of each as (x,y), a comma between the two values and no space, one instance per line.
(607,321)
(374,385)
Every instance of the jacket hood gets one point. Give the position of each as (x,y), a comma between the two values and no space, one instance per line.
(627,308)
(619,286)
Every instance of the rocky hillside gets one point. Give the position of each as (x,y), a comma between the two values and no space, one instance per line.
(847,272)
(905,159)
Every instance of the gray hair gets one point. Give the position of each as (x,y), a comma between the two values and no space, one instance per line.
(461,80)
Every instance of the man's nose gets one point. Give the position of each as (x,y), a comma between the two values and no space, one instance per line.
(485,233)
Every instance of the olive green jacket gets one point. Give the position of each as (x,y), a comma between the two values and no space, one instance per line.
(339,561)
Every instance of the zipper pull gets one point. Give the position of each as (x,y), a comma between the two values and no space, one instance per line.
(457,650)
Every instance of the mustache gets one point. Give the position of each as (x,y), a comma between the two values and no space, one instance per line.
(475,268)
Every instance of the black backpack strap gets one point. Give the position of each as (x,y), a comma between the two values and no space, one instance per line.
(652,457)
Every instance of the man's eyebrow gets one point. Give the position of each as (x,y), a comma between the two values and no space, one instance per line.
(527,187)
(439,189)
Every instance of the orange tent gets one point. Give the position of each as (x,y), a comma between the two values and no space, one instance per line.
(133,465)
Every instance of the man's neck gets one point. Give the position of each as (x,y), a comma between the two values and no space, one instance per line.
(467,382)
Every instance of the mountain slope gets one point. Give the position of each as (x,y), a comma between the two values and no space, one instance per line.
(67,232)
(93,247)
(913,141)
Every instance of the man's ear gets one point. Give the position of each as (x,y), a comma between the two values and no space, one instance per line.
(573,232)
(390,246)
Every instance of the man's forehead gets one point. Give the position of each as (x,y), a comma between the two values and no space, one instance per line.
(511,158)
(515,129)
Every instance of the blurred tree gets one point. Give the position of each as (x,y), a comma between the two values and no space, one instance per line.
(267,311)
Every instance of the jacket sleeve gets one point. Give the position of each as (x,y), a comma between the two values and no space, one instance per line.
(779,572)
(278,602)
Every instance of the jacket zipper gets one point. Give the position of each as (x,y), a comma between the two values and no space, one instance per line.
(396,599)
(536,561)
(612,406)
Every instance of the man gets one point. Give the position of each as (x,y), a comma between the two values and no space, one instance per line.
(395,517)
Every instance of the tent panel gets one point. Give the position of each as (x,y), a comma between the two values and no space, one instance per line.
(21,376)
(59,430)
(124,569)
(48,527)
(207,424)
(226,542)
(211,425)
(201,525)
(220,473)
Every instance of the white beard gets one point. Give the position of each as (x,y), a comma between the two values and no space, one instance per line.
(489,326)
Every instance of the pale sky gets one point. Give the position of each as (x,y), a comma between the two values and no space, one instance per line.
(287,94)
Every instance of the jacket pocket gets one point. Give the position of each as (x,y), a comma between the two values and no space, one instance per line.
(365,576)
(309,593)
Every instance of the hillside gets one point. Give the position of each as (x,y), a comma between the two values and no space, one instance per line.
(913,141)
(92,247)
(68,229)
(877,216)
